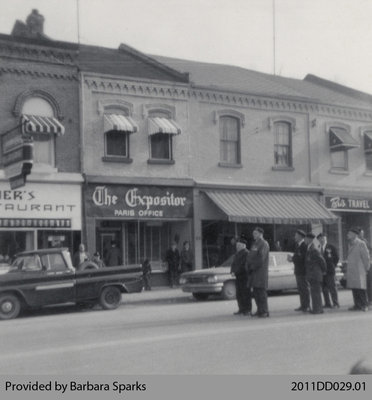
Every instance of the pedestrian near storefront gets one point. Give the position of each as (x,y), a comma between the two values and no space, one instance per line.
(315,270)
(298,259)
(113,256)
(369,273)
(187,257)
(239,268)
(97,260)
(258,277)
(331,257)
(146,274)
(172,258)
(358,264)
(80,256)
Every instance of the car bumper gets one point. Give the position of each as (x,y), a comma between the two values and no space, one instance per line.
(203,288)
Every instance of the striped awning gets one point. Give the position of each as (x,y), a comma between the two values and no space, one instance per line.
(270,208)
(163,125)
(116,122)
(340,139)
(38,124)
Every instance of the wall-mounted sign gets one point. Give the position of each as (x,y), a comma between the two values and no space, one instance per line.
(142,202)
(17,157)
(338,203)
(34,223)
(50,203)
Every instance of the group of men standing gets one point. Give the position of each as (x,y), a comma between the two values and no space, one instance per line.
(315,272)
(251,270)
(314,269)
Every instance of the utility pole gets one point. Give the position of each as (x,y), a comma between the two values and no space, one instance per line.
(274,55)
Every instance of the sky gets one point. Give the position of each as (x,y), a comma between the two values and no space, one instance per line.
(328,38)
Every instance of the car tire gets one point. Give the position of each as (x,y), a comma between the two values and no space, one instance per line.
(10,306)
(200,296)
(229,290)
(110,298)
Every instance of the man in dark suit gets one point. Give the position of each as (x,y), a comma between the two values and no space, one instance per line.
(259,272)
(172,257)
(298,260)
(330,254)
(315,269)
(239,268)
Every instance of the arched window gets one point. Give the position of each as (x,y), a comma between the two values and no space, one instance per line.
(229,140)
(44,141)
(282,144)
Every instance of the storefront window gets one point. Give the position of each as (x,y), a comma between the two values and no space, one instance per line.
(13,242)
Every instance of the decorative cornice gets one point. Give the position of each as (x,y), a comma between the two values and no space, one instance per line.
(36,93)
(39,74)
(224,98)
(37,53)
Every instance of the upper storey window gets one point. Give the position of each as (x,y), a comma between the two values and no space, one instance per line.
(229,140)
(282,144)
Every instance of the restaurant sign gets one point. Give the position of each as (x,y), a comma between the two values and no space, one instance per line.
(142,202)
(338,203)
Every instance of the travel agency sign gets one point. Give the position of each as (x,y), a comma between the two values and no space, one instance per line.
(138,202)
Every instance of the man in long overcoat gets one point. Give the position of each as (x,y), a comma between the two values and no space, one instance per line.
(239,268)
(172,258)
(358,264)
(259,272)
(315,270)
(298,260)
(330,254)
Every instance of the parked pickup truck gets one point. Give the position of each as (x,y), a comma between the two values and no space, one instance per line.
(46,277)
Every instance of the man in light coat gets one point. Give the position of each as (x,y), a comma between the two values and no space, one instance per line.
(358,264)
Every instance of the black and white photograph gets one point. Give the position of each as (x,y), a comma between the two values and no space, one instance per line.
(185,191)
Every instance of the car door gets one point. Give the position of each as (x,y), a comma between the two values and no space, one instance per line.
(282,275)
(52,283)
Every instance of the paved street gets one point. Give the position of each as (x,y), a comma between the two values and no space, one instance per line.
(167,332)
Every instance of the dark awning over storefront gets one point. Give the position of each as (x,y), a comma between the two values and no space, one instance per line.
(271,208)
(340,139)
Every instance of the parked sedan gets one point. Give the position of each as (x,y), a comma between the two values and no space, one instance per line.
(218,280)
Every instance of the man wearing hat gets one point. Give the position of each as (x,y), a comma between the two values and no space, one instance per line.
(298,260)
(330,254)
(239,268)
(259,272)
(358,264)
(315,269)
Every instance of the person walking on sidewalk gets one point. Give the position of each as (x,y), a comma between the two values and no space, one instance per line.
(330,254)
(173,259)
(358,264)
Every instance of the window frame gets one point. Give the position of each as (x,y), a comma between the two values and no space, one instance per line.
(224,141)
(289,124)
(153,160)
(335,168)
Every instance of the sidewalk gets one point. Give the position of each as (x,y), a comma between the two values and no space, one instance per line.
(157,295)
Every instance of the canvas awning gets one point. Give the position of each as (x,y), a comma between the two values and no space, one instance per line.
(340,139)
(38,124)
(163,125)
(270,208)
(116,122)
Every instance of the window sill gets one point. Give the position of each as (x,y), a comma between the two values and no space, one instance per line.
(338,171)
(40,168)
(367,173)
(278,168)
(227,165)
(117,159)
(164,162)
